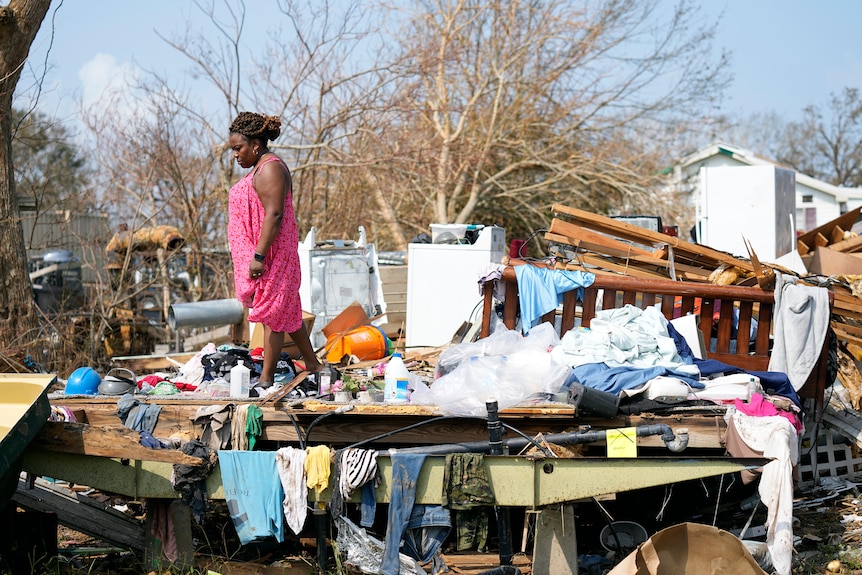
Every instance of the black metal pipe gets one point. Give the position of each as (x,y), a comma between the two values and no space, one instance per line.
(674,442)
(495,447)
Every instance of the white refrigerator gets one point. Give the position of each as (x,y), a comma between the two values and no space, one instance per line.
(754,202)
(443,285)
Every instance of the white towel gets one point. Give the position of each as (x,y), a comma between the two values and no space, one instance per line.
(291,470)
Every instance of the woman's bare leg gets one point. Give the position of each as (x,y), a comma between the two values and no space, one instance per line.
(273,342)
(303,343)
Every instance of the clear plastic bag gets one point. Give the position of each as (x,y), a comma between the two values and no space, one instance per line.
(501,342)
(508,379)
(366,552)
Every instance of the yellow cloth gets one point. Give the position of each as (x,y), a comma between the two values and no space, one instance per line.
(317,467)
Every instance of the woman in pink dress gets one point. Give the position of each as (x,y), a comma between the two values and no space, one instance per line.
(264,241)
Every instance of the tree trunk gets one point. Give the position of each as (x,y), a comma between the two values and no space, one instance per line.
(19,326)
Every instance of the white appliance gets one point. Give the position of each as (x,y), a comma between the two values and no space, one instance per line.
(755,202)
(335,273)
(443,285)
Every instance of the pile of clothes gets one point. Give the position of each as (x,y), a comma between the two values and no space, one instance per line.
(208,372)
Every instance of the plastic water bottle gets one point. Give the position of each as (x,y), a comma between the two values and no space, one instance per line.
(396,378)
(239,380)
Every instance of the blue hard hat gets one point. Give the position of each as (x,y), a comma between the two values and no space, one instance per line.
(83,381)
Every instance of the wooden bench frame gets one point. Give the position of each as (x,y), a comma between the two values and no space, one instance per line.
(676,299)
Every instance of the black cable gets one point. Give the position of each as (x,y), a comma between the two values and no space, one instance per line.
(317,420)
(299,434)
(539,446)
(610,523)
(408,428)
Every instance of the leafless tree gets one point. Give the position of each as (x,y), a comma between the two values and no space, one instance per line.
(827,142)
(20,20)
(515,105)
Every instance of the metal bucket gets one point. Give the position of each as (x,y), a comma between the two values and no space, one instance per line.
(205,313)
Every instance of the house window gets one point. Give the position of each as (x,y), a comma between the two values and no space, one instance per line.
(807,199)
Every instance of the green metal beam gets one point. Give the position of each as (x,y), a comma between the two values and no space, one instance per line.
(516,481)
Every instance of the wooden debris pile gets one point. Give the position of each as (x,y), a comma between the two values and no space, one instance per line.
(586,241)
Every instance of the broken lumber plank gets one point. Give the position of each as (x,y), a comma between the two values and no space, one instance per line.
(849,337)
(644,236)
(847,305)
(121,443)
(106,523)
(684,271)
(628,270)
(576,232)
(849,245)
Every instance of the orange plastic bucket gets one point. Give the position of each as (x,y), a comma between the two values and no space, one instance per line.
(365,342)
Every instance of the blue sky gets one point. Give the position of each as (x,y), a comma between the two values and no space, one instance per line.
(785,54)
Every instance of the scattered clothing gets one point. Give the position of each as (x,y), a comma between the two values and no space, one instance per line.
(760,406)
(62,413)
(353,468)
(466,490)
(162,527)
(541,290)
(776,438)
(253,425)
(291,471)
(317,468)
(136,415)
(801,321)
(190,480)
(405,472)
(253,494)
(427,528)
(216,422)
(238,438)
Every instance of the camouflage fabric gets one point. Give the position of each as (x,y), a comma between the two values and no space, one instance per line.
(468,492)
(471,529)
(465,482)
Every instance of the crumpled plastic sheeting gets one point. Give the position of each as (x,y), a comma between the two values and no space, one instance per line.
(365,552)
(510,368)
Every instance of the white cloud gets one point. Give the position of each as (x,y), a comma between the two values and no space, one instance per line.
(103,76)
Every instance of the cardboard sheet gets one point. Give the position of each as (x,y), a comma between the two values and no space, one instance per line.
(689,549)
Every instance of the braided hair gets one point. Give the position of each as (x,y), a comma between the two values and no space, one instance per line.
(256,126)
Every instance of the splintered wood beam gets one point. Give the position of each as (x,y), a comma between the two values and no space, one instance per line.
(847,305)
(708,256)
(849,245)
(603,243)
(120,443)
(851,337)
(645,262)
(628,270)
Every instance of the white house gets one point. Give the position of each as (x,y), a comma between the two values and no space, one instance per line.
(817,202)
